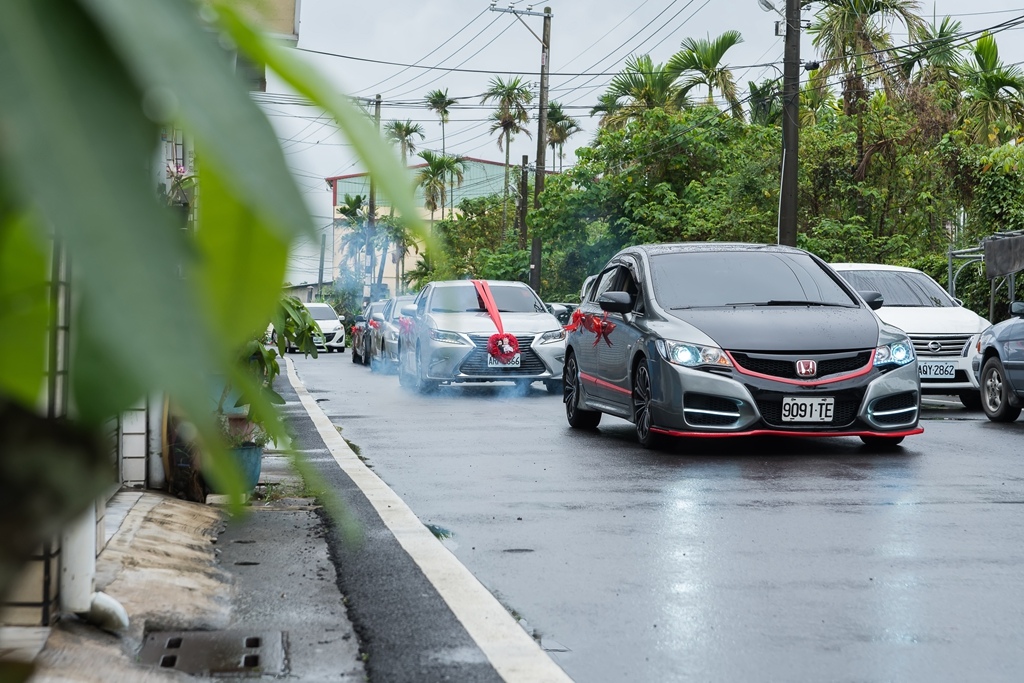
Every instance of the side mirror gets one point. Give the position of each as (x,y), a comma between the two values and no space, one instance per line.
(360,318)
(341,318)
(1017,309)
(616,302)
(409,310)
(379,317)
(874,300)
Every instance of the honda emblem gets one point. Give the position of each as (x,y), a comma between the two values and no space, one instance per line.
(806,368)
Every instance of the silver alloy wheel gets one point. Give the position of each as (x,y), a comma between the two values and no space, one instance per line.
(993,393)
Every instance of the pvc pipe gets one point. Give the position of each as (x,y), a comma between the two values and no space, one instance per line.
(78,576)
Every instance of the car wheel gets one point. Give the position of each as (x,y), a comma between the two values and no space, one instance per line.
(423,384)
(355,356)
(995,399)
(554,386)
(642,407)
(577,417)
(971,399)
(365,353)
(882,442)
(404,378)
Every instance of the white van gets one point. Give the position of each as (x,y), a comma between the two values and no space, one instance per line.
(944,333)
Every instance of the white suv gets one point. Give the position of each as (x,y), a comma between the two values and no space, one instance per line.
(944,333)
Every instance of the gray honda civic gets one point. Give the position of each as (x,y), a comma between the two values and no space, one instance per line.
(717,340)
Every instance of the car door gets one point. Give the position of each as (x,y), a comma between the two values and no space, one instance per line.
(619,336)
(1013,352)
(586,353)
(407,342)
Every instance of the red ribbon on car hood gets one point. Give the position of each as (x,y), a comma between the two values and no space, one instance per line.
(501,346)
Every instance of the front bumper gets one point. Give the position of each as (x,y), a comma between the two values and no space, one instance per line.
(334,340)
(963,378)
(467,362)
(729,403)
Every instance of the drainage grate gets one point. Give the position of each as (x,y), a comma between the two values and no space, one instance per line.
(216,652)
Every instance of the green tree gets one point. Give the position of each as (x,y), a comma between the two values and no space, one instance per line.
(765,102)
(433,178)
(699,62)
(509,118)
(561,127)
(439,103)
(641,86)
(993,108)
(403,134)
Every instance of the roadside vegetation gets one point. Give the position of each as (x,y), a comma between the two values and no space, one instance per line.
(906,151)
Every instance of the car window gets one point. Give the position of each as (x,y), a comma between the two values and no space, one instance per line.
(396,310)
(421,300)
(604,283)
(388,307)
(743,278)
(463,298)
(899,288)
(323,312)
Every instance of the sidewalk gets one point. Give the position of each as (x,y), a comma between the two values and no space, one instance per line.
(185,568)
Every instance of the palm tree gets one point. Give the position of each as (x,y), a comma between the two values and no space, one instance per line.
(510,118)
(561,127)
(352,212)
(641,86)
(854,41)
(765,102)
(993,107)
(817,102)
(402,134)
(700,62)
(439,103)
(433,178)
(936,56)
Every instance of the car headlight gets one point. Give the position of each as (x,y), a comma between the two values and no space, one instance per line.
(692,355)
(896,353)
(552,336)
(447,337)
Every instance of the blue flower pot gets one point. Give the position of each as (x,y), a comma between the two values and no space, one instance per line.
(249,460)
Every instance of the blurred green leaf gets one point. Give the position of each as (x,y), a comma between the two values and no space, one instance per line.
(241,265)
(75,139)
(181,69)
(24,309)
(380,159)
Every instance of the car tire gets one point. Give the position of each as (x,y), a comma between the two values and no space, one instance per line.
(577,417)
(554,386)
(882,442)
(355,356)
(995,393)
(970,399)
(365,353)
(424,385)
(645,433)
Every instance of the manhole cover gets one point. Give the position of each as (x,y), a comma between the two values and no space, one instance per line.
(216,652)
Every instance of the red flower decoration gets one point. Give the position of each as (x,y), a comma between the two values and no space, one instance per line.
(405,325)
(354,329)
(601,327)
(502,347)
(374,324)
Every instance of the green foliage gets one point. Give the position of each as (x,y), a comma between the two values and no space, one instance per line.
(157,309)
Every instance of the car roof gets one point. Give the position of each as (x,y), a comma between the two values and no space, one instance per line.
(460,283)
(872,266)
(688,247)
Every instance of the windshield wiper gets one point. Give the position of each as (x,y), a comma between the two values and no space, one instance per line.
(786,302)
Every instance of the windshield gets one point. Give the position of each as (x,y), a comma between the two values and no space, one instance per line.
(899,288)
(322,312)
(400,303)
(462,298)
(708,279)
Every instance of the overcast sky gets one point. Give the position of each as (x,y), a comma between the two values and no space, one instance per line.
(591,37)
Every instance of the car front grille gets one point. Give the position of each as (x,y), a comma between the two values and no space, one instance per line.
(938,345)
(784,366)
(902,409)
(475,364)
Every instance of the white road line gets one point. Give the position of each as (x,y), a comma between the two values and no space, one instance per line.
(513,653)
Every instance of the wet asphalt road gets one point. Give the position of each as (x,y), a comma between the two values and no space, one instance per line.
(749,560)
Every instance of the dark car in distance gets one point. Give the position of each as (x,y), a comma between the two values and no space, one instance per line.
(361,332)
(716,339)
(999,367)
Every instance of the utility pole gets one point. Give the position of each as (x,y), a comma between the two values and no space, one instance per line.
(524,189)
(371,220)
(790,125)
(542,120)
(320,277)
